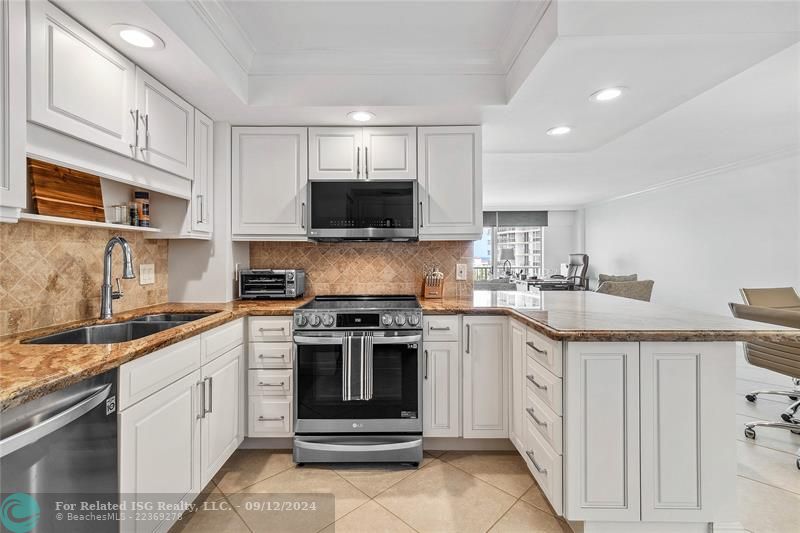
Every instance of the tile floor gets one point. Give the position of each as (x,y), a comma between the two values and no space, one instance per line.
(483,491)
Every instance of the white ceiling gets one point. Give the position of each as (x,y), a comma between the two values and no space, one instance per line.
(710,83)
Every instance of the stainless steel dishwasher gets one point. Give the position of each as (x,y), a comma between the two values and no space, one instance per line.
(61,447)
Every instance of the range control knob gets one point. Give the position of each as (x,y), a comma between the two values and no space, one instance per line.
(386,320)
(315,321)
(327,320)
(413,320)
(301,320)
(399,320)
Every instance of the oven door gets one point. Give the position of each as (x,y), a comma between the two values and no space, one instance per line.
(396,403)
(262,284)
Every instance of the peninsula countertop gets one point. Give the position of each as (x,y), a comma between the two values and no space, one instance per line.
(29,371)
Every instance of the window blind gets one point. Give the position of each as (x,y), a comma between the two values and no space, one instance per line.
(514,218)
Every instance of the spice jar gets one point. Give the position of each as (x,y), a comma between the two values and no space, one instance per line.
(142,199)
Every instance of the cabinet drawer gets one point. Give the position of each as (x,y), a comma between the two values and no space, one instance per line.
(543,384)
(144,376)
(441,328)
(545,465)
(222,339)
(269,417)
(270,329)
(545,351)
(544,420)
(271,354)
(270,382)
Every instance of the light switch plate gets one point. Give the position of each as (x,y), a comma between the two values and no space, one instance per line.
(147,274)
(461,272)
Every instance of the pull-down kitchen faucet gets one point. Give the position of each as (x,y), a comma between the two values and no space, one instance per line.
(106,293)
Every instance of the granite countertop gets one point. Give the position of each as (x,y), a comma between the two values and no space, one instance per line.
(29,371)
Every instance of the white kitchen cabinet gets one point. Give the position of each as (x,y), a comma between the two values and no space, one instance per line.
(78,84)
(601,418)
(450,186)
(220,423)
(159,448)
(363,153)
(516,424)
(441,396)
(12,110)
(166,127)
(485,376)
(201,203)
(269,175)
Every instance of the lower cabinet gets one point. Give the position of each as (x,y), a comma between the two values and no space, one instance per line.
(441,394)
(485,362)
(270,377)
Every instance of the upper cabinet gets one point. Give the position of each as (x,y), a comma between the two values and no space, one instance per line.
(203,184)
(12,110)
(363,153)
(450,194)
(78,84)
(269,176)
(165,136)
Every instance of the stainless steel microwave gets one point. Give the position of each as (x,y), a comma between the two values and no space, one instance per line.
(363,210)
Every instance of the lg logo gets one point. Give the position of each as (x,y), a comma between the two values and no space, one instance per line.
(356,425)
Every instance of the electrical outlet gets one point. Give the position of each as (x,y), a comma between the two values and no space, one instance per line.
(461,272)
(147,274)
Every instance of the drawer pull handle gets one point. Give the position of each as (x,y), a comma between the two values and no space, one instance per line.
(535,384)
(262,330)
(537,350)
(440,328)
(273,419)
(262,384)
(538,468)
(281,356)
(533,416)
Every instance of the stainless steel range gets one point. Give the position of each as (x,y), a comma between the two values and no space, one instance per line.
(358,376)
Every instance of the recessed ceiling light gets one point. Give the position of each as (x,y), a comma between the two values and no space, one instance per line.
(139,37)
(559,130)
(361,116)
(607,94)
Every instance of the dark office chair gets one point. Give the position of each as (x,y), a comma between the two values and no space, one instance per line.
(576,279)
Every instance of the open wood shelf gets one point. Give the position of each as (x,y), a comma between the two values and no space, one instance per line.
(32,217)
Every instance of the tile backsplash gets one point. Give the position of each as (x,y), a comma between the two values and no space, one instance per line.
(52,274)
(367,267)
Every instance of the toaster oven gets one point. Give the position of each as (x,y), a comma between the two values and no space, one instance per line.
(271,283)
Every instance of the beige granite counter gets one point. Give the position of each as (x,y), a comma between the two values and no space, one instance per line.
(28,371)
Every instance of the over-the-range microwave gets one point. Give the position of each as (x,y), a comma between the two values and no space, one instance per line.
(363,210)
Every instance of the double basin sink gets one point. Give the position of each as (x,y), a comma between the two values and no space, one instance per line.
(135,328)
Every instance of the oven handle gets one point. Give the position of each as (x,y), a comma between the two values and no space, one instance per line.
(304,339)
(357,447)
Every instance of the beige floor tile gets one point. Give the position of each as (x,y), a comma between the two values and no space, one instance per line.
(310,479)
(443,498)
(246,467)
(525,518)
(372,479)
(768,466)
(217,518)
(369,518)
(504,470)
(536,497)
(210,493)
(765,509)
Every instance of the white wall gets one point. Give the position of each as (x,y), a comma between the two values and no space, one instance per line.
(559,239)
(703,240)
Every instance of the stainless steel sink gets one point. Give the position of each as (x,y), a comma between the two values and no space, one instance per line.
(129,330)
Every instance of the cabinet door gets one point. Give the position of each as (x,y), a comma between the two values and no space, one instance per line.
(390,153)
(336,153)
(449,171)
(166,127)
(440,389)
(601,431)
(13,177)
(221,433)
(203,184)
(270,172)
(159,448)
(485,394)
(78,84)
(516,414)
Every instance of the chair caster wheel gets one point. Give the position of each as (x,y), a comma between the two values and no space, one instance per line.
(750,433)
(798,464)
(750,397)
(795,431)
(786,418)
(794,398)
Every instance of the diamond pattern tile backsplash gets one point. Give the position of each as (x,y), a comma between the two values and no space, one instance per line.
(52,274)
(368,268)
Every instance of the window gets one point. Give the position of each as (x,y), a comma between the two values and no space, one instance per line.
(524,241)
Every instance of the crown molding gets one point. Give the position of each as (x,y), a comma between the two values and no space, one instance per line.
(226,29)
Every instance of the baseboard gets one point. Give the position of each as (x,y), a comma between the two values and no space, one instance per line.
(279,443)
(459,444)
